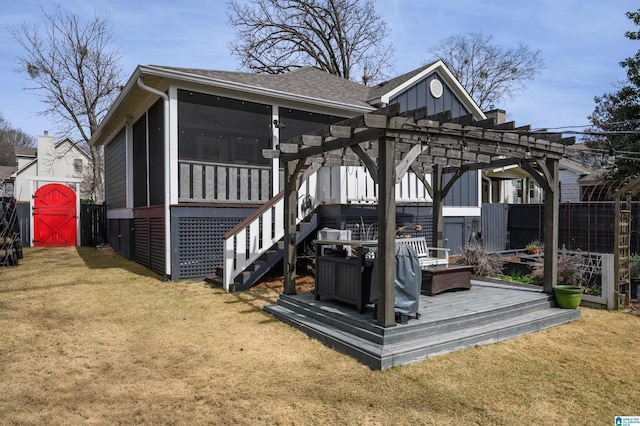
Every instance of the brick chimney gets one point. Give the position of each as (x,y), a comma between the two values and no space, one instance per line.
(499,114)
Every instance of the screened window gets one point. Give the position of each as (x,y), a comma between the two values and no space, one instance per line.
(156,153)
(298,122)
(77,165)
(140,162)
(222,130)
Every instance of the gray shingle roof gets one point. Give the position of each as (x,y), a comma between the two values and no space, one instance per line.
(307,84)
(307,81)
(26,151)
(311,82)
(6,171)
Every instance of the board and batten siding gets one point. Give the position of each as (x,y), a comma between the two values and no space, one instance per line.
(115,171)
(464,192)
(419,95)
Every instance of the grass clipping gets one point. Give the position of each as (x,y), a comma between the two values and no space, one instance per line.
(91,338)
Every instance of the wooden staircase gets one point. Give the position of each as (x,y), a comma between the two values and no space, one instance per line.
(255,245)
(267,260)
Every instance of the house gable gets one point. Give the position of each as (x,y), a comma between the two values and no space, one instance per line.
(66,145)
(50,159)
(433,86)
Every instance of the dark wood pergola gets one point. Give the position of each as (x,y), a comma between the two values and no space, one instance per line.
(389,144)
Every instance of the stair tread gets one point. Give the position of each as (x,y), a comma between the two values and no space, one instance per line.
(470,336)
(486,313)
(436,320)
(522,319)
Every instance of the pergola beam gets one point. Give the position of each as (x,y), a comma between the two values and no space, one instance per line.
(333,144)
(368,162)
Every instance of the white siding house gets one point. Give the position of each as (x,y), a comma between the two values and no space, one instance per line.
(51,159)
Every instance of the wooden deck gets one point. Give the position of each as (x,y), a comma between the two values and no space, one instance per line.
(451,321)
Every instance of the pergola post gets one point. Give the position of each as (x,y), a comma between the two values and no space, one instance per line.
(290,213)
(386,232)
(438,221)
(551,216)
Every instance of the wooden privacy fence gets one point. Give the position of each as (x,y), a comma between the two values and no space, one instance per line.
(93,224)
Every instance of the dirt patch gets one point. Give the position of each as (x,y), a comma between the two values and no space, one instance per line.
(304,284)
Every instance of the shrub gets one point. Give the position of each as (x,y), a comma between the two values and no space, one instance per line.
(634,265)
(570,269)
(518,277)
(484,264)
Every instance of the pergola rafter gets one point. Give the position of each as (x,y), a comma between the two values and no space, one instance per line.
(389,143)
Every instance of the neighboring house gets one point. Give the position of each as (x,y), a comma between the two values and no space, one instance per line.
(51,159)
(27,165)
(184,163)
(7,181)
(513,185)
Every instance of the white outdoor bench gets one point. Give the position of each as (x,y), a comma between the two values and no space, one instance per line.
(428,256)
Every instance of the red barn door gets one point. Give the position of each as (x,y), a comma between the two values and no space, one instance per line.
(54,216)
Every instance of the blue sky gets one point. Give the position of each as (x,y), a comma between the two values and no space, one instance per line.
(582,43)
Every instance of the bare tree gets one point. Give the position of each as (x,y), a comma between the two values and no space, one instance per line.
(11,137)
(72,66)
(347,38)
(7,152)
(488,72)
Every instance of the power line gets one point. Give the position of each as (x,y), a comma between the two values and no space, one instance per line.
(611,123)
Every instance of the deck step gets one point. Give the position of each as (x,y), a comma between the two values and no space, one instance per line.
(380,356)
(447,324)
(430,323)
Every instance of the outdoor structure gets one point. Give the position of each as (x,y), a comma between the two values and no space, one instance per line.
(47,178)
(622,240)
(223,174)
(184,166)
(390,143)
(513,185)
(49,160)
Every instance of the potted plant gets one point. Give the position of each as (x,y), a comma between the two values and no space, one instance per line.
(533,247)
(568,296)
(569,290)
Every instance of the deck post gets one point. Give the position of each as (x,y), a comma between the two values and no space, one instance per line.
(386,232)
(438,223)
(290,214)
(551,217)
